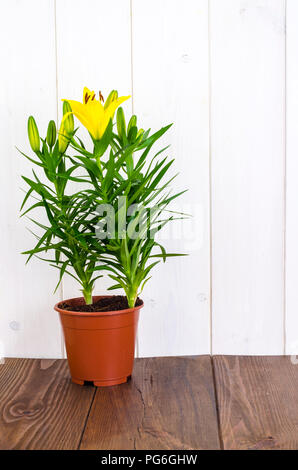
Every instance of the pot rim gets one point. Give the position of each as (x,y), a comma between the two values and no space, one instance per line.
(94,314)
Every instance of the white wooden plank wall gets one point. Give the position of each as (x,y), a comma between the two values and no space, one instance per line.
(226,73)
(247,40)
(170,84)
(29,325)
(292,180)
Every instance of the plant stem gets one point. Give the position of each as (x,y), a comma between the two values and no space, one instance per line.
(131,295)
(88,295)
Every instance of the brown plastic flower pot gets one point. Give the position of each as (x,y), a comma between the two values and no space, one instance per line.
(100,346)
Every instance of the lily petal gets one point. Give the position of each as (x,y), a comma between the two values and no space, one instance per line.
(114,105)
(81,112)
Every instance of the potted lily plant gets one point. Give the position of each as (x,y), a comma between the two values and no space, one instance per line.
(108,225)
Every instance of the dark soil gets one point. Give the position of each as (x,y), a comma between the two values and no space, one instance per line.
(107,304)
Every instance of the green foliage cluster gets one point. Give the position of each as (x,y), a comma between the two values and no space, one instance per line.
(122,173)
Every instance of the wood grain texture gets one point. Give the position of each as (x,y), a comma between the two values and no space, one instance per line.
(40,408)
(171,85)
(257,400)
(247,52)
(168,404)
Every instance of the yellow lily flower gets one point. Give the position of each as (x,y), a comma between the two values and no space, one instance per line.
(92,114)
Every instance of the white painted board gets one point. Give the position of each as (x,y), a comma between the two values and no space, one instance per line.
(292,180)
(247,39)
(29,325)
(170,84)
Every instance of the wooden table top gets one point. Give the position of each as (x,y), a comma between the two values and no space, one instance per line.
(224,402)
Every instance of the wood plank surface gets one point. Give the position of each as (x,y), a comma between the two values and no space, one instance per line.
(257,401)
(40,408)
(168,404)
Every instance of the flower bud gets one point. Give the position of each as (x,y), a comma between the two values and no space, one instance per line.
(121,127)
(33,134)
(51,134)
(63,139)
(140,133)
(112,97)
(132,134)
(68,121)
(132,122)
